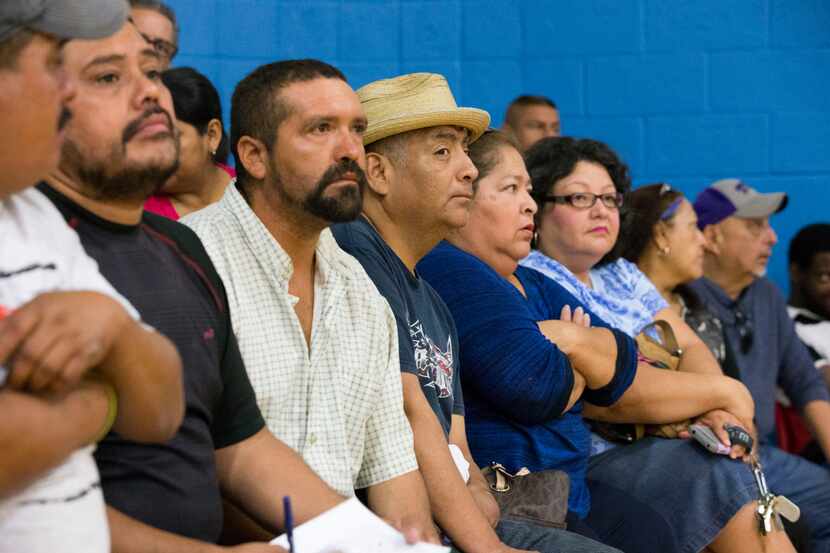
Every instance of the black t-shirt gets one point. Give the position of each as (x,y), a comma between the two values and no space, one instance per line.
(161,267)
(427,338)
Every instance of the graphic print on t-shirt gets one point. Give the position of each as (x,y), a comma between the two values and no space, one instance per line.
(433,364)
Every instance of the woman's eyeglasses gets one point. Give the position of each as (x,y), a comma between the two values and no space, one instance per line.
(744,326)
(586,200)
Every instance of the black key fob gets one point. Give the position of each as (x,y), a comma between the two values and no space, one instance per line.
(739,436)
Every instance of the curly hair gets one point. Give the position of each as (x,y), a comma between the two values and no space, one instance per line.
(646,206)
(554,158)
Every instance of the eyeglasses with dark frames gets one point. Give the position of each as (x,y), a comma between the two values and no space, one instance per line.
(160,45)
(746,330)
(587,200)
(163,47)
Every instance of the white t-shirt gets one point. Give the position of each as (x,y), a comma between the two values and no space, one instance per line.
(64,510)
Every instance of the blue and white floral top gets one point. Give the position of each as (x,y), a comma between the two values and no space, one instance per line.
(621,294)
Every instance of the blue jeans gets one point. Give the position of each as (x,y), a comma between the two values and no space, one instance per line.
(807,485)
(523,535)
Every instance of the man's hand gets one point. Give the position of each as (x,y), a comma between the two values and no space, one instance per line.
(49,343)
(486,503)
(415,530)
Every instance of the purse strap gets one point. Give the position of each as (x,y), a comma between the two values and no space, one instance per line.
(667,333)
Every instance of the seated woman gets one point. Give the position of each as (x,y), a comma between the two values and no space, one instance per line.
(663,239)
(528,378)
(202,175)
(580,186)
(667,246)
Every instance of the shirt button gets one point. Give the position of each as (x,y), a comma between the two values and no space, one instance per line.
(312,439)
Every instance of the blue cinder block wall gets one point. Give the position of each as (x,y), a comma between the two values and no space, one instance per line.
(687,91)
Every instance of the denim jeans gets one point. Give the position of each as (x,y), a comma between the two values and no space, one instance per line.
(523,535)
(807,485)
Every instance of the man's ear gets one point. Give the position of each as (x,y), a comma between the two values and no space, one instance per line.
(254,156)
(714,239)
(379,173)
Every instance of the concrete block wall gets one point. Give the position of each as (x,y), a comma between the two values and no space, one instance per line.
(687,91)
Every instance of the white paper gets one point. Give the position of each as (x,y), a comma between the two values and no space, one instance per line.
(351,528)
(461,462)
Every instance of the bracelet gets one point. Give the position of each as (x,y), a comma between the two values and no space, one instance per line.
(112,411)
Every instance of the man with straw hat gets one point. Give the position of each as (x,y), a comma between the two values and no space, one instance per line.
(317,339)
(419,186)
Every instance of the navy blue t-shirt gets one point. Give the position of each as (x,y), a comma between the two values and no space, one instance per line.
(427,338)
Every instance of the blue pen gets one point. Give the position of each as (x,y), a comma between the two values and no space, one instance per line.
(289,522)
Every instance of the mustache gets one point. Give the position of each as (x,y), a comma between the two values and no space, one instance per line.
(338,171)
(134,126)
(64,118)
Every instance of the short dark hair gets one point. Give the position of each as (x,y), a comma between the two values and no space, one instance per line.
(645,206)
(197,103)
(551,159)
(257,109)
(11,46)
(808,242)
(484,152)
(163,9)
(523,101)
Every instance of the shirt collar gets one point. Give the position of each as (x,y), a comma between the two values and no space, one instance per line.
(268,250)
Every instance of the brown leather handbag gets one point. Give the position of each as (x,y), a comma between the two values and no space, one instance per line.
(657,345)
(540,498)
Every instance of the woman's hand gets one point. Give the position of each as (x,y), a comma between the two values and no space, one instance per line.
(578,316)
(717,420)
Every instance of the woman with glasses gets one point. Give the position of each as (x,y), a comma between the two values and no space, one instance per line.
(580,185)
(533,365)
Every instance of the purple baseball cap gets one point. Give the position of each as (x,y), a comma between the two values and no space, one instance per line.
(728,197)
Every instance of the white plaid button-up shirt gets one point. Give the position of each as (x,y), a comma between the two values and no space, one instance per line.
(340,406)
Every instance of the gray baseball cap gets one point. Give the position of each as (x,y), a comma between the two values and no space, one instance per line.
(64,19)
(728,197)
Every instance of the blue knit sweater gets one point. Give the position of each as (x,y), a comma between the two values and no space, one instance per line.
(516,382)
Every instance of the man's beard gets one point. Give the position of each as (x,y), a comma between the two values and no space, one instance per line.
(112,177)
(342,208)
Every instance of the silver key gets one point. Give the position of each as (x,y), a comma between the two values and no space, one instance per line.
(786,508)
(766,513)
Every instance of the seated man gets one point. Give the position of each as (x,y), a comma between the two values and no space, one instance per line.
(809,267)
(419,187)
(318,340)
(120,146)
(60,321)
(809,303)
(531,118)
(735,220)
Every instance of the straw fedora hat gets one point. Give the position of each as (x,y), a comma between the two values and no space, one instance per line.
(415,101)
